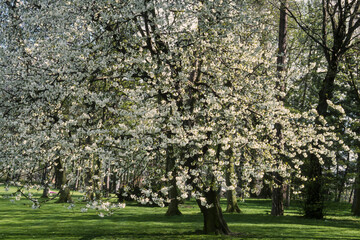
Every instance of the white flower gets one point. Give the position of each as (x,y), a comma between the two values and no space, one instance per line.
(203,201)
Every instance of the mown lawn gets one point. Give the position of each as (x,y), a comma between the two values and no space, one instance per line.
(56,221)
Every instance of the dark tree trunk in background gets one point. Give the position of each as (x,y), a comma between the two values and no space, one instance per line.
(45,193)
(314,200)
(341,185)
(356,202)
(277,198)
(214,222)
(314,203)
(287,195)
(340,19)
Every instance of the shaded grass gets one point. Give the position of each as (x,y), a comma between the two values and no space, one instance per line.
(56,221)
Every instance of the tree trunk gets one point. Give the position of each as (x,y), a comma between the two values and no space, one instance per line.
(287,196)
(98,181)
(356,202)
(45,193)
(64,194)
(277,197)
(351,195)
(44,182)
(327,88)
(214,222)
(314,201)
(232,205)
(343,181)
(173,208)
(277,208)
(60,177)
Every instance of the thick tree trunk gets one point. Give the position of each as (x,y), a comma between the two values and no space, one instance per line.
(356,202)
(277,197)
(214,222)
(64,196)
(314,200)
(327,88)
(173,208)
(314,203)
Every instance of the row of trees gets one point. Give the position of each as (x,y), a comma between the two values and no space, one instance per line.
(159,100)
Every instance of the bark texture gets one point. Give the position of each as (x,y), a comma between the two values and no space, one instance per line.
(356,203)
(60,183)
(314,200)
(277,196)
(214,222)
(173,208)
(232,205)
(277,208)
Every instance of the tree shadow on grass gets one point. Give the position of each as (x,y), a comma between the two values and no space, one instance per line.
(299,220)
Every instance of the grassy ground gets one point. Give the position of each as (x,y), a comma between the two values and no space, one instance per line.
(55,221)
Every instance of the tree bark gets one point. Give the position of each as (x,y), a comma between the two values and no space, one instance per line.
(173,208)
(64,194)
(314,200)
(287,195)
(344,23)
(214,222)
(45,193)
(327,87)
(277,196)
(44,182)
(314,203)
(341,185)
(232,205)
(277,208)
(356,202)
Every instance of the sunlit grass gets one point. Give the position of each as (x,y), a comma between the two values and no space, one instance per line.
(56,221)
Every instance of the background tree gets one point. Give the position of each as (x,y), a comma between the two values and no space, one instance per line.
(339,24)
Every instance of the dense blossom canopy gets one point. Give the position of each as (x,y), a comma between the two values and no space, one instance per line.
(123,87)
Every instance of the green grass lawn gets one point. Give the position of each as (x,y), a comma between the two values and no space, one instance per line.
(56,221)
